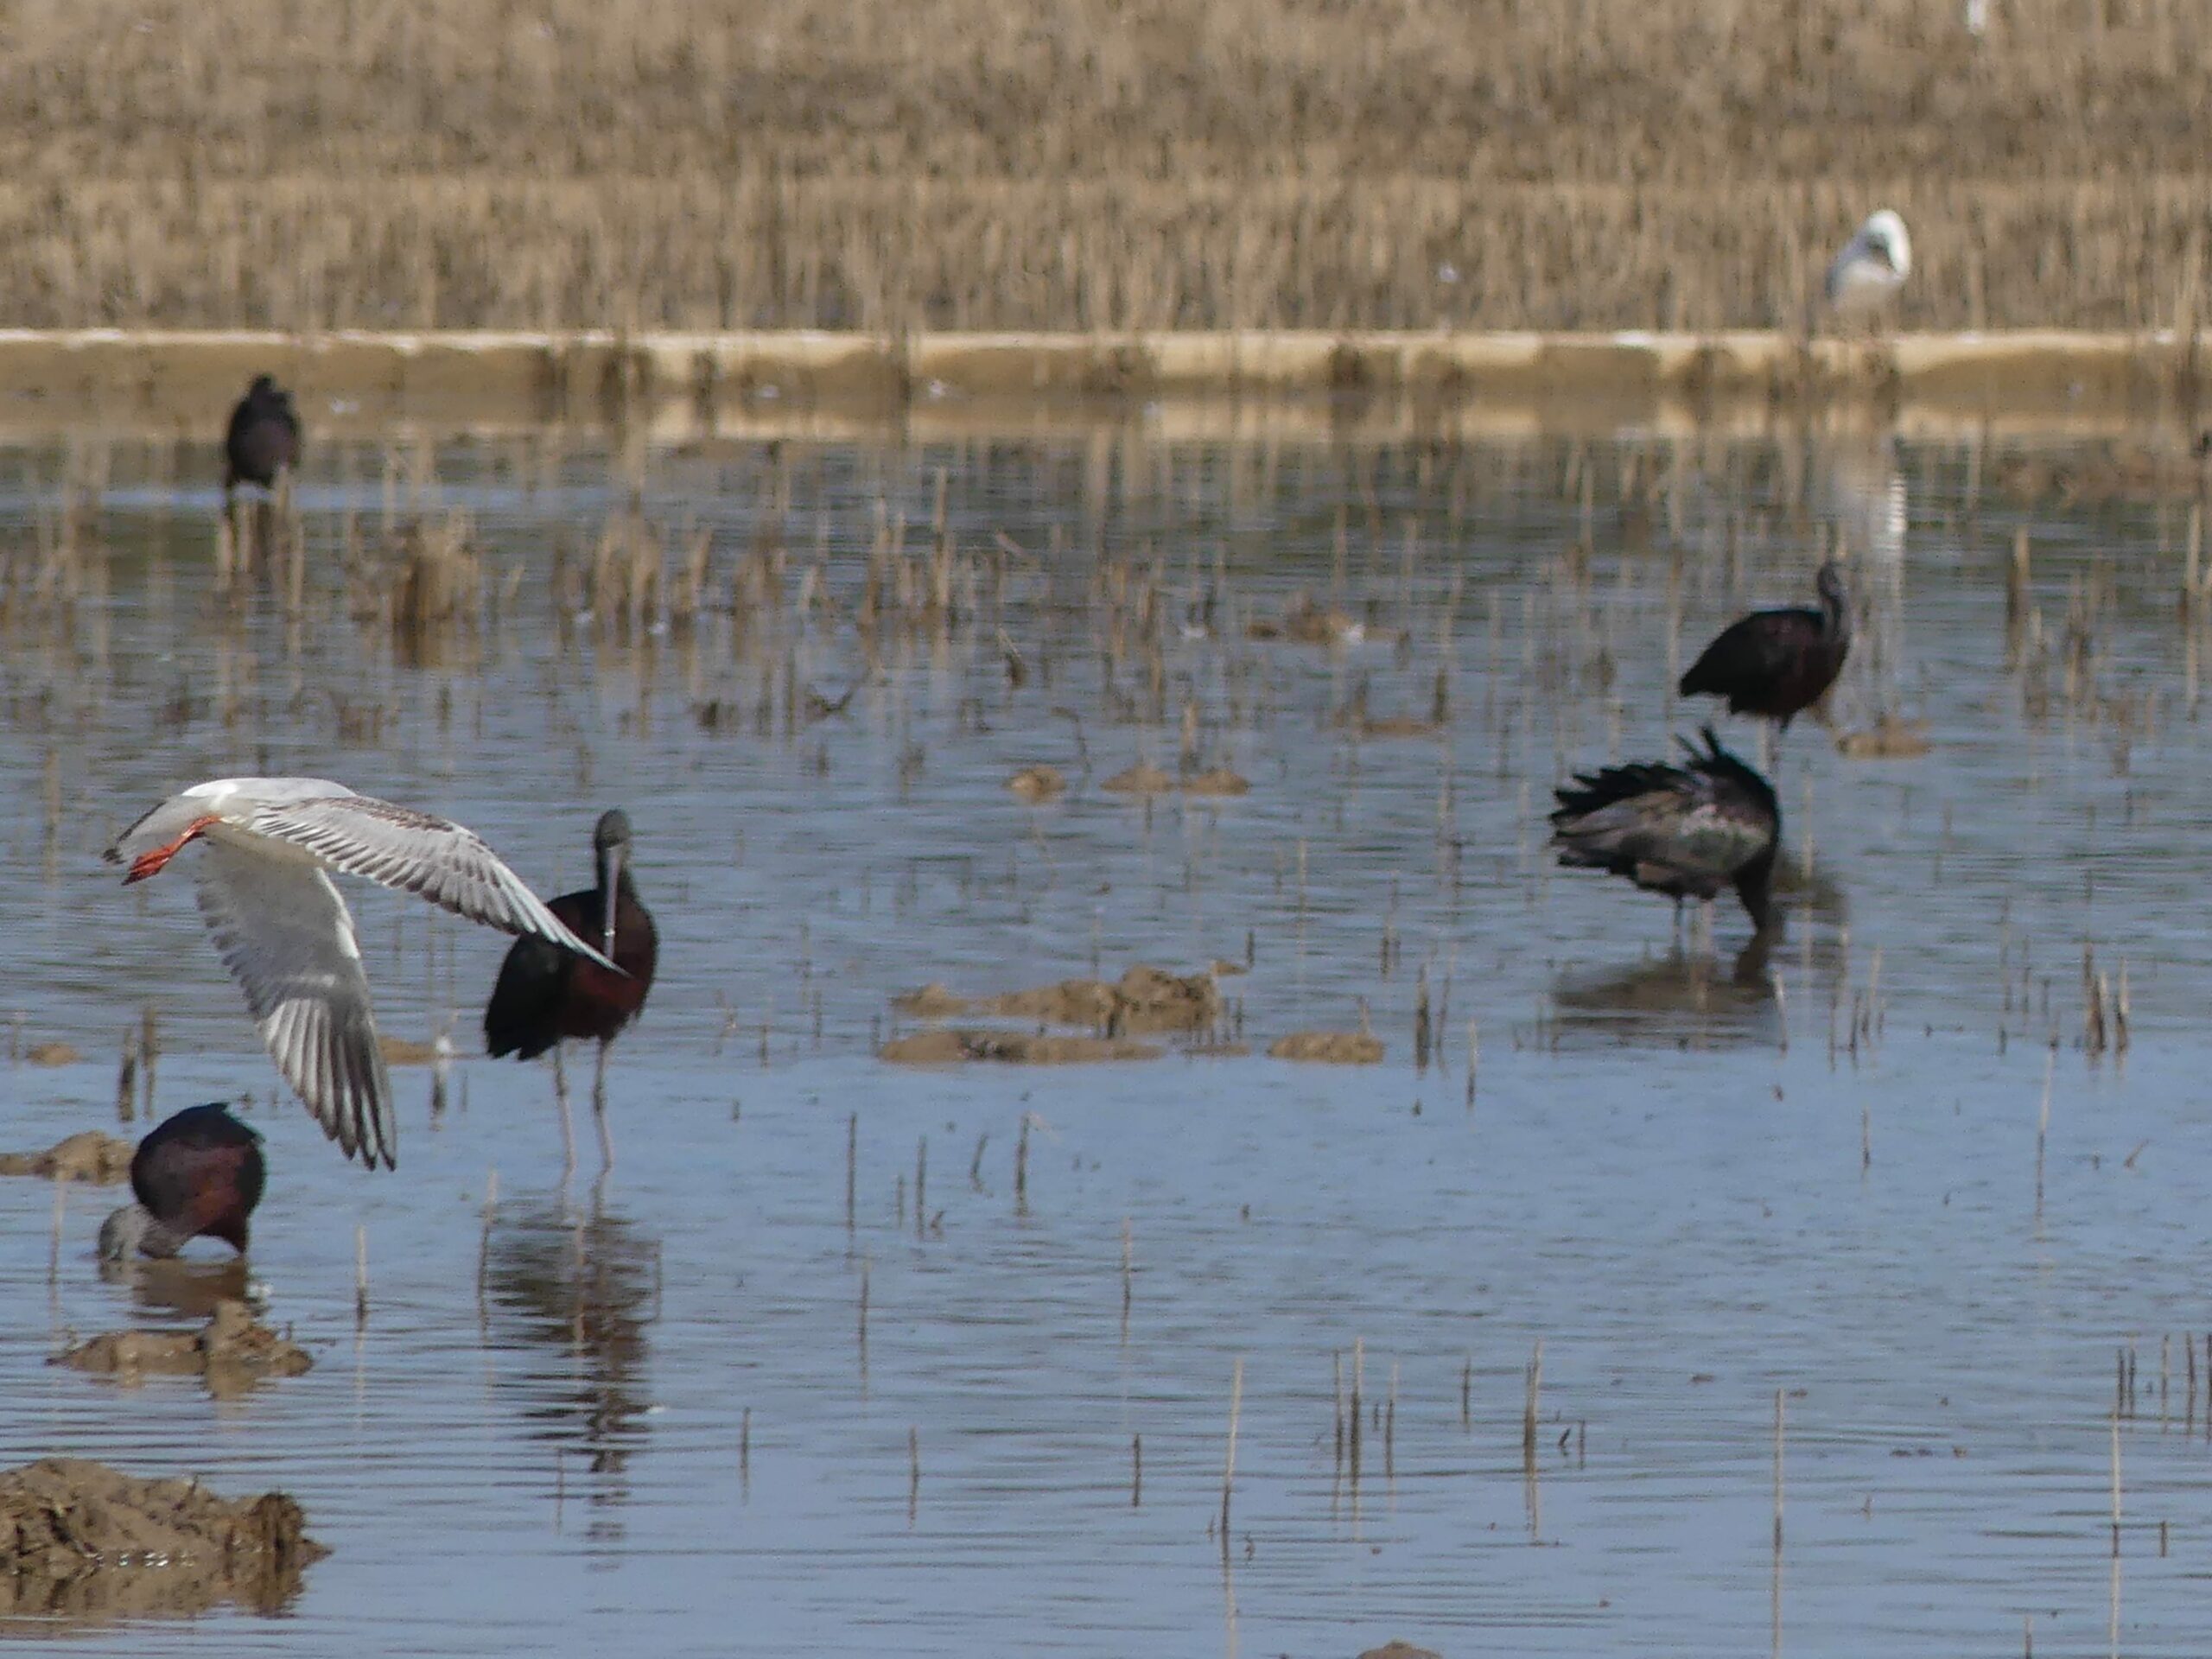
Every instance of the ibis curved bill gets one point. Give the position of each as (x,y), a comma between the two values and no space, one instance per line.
(285,934)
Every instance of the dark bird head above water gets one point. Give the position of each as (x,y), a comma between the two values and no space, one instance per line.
(198,1174)
(1686,830)
(1778,664)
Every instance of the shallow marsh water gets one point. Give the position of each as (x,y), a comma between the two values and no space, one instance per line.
(641,1413)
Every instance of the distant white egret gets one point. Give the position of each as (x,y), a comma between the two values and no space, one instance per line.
(1872,266)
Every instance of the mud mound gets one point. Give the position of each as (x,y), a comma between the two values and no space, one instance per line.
(1145,1000)
(405,1051)
(230,1350)
(1217,780)
(1304,623)
(79,1540)
(1145,779)
(89,1156)
(1140,779)
(1328,1047)
(949,1046)
(932,1002)
(1890,738)
(1400,1650)
(1037,782)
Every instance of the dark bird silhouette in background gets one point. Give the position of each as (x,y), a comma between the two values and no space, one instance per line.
(1778,664)
(1686,830)
(263,439)
(198,1174)
(545,994)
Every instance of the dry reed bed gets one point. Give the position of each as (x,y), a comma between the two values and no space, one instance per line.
(966,164)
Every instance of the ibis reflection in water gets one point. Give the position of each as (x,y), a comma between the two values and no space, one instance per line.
(578,1293)
(546,994)
(1686,830)
(1778,664)
(1684,997)
(197,1174)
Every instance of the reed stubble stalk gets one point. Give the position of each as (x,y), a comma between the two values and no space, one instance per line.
(1229,1463)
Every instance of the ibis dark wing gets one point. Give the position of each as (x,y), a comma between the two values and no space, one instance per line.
(524,1016)
(1754,654)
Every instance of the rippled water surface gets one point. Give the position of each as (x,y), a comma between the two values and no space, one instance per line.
(697,1407)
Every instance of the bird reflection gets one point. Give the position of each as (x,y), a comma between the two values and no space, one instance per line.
(1692,997)
(576,1292)
(1862,495)
(180,1285)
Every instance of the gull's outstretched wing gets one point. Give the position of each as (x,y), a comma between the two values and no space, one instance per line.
(285,935)
(416,853)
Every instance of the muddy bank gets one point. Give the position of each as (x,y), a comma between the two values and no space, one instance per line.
(88,1156)
(80,1540)
(1144,1000)
(716,381)
(231,1351)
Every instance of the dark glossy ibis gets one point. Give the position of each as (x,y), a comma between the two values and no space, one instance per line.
(264,439)
(1685,831)
(1778,664)
(546,994)
(197,1174)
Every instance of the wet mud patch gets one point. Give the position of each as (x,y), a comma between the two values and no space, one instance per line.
(1328,1048)
(231,1351)
(1144,1001)
(1038,783)
(80,1540)
(950,1045)
(89,1156)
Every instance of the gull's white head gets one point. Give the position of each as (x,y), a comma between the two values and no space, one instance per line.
(1884,235)
(1871,267)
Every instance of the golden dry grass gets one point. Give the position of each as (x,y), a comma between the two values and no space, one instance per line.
(1093,163)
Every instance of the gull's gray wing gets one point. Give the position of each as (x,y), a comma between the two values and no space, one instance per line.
(418,852)
(284,933)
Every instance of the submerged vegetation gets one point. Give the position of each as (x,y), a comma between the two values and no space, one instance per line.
(975,164)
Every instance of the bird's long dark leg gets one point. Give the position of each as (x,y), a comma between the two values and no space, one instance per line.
(568,1128)
(599,1112)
